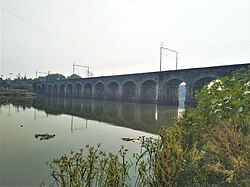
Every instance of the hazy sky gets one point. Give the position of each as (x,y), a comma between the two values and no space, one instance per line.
(121,36)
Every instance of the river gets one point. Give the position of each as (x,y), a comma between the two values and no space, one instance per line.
(75,124)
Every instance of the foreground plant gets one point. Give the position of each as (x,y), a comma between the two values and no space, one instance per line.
(94,169)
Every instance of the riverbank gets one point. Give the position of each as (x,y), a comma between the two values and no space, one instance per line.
(17,93)
(16,96)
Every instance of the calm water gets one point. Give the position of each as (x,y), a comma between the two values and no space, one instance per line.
(75,124)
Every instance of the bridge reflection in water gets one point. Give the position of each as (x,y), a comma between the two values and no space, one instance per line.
(144,117)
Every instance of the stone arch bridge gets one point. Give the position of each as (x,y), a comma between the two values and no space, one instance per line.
(153,87)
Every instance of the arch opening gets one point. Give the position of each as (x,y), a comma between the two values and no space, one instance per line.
(99,90)
(62,90)
(55,90)
(175,92)
(87,91)
(69,90)
(50,89)
(43,87)
(38,88)
(199,84)
(78,90)
(148,90)
(112,89)
(129,89)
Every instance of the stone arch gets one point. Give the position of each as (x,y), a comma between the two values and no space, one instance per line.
(129,89)
(43,88)
(87,90)
(99,89)
(55,89)
(69,90)
(148,89)
(200,82)
(78,90)
(62,90)
(34,86)
(38,88)
(113,89)
(50,89)
(171,91)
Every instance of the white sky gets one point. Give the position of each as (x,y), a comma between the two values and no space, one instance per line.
(121,36)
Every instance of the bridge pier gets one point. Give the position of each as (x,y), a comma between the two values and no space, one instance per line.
(190,93)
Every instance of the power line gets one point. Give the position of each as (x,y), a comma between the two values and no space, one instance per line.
(210,53)
(139,58)
(52,35)
(121,63)
(131,63)
(233,46)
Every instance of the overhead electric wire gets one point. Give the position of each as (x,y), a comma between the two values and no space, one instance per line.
(234,46)
(145,60)
(156,62)
(139,58)
(212,53)
(52,35)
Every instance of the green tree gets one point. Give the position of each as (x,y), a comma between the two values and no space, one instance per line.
(55,77)
(74,76)
(227,98)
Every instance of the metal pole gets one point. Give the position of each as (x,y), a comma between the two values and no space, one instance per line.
(176,57)
(73,68)
(74,65)
(176,60)
(160,56)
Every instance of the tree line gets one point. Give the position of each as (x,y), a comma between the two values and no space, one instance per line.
(24,83)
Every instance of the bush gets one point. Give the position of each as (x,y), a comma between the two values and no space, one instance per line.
(27,87)
(97,168)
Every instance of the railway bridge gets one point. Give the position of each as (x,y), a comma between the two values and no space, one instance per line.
(160,87)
